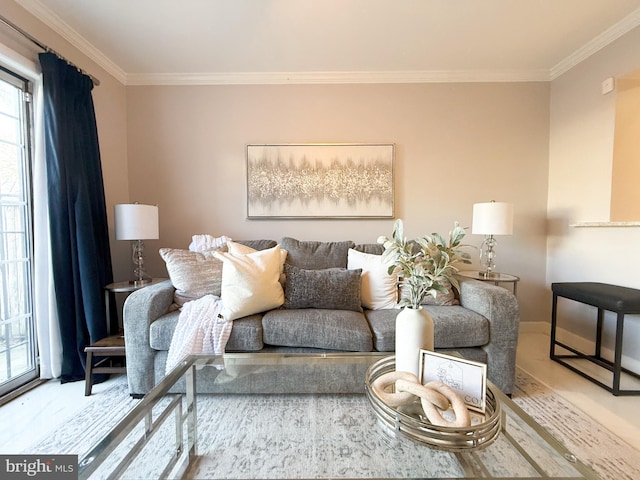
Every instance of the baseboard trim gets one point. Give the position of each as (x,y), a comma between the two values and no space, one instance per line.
(577,342)
(535,327)
(20,390)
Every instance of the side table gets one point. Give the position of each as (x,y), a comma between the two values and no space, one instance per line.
(113,345)
(107,347)
(496,278)
(122,287)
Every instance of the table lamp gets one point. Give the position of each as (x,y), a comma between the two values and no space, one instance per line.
(137,222)
(489,219)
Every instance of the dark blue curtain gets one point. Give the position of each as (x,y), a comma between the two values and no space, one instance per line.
(77,211)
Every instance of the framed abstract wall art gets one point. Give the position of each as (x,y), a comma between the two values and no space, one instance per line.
(320,181)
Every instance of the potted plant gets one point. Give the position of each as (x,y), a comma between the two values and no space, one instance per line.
(425,266)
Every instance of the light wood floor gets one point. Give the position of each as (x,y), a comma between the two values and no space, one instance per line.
(36,413)
(33,415)
(619,414)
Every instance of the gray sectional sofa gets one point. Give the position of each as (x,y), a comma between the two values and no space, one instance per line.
(481,322)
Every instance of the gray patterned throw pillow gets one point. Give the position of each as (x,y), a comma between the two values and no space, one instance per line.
(193,274)
(331,288)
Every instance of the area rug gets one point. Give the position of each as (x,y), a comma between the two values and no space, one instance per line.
(78,434)
(609,456)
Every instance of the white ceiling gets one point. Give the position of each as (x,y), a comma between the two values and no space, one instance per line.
(306,41)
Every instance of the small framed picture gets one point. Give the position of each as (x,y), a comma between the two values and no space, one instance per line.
(468,378)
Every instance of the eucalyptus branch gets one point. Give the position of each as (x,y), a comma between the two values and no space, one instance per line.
(425,263)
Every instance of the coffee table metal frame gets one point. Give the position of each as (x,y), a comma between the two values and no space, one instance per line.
(186,412)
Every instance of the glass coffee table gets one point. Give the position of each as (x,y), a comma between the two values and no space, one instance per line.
(298,415)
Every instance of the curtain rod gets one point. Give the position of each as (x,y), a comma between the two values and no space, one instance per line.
(44,47)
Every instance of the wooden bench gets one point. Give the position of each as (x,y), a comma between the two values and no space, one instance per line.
(622,301)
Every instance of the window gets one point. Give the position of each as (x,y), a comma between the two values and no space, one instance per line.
(18,352)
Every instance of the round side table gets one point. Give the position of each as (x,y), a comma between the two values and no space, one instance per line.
(122,287)
(494,277)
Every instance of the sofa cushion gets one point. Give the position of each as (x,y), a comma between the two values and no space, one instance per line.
(258,244)
(316,255)
(454,327)
(246,334)
(448,298)
(344,330)
(251,282)
(379,290)
(193,274)
(330,288)
(372,248)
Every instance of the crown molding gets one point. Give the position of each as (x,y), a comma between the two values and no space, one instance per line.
(45,15)
(610,35)
(301,78)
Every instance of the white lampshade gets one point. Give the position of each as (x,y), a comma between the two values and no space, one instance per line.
(492,218)
(136,222)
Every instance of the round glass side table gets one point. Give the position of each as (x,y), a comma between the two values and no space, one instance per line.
(496,278)
(122,287)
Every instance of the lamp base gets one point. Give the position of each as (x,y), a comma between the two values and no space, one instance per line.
(141,277)
(487,256)
(488,274)
(140,282)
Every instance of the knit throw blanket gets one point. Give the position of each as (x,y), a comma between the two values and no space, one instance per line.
(200,330)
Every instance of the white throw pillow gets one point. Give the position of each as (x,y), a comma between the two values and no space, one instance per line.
(379,289)
(235,248)
(250,282)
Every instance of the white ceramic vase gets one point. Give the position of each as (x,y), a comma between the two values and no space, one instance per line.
(414,331)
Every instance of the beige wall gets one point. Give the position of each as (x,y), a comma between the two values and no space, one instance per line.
(183,148)
(580,166)
(456,144)
(545,147)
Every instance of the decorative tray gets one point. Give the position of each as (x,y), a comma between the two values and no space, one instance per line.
(410,422)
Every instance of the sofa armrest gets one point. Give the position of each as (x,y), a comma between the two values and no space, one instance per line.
(141,309)
(500,307)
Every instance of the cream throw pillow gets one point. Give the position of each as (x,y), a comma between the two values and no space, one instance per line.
(250,282)
(235,248)
(379,290)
